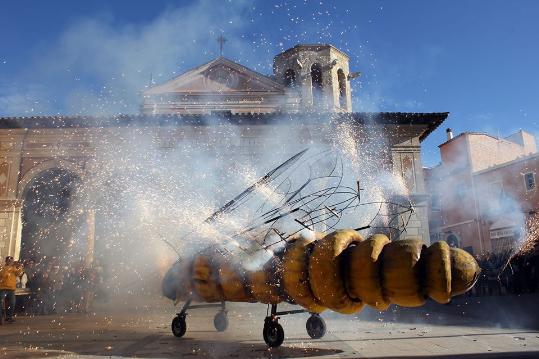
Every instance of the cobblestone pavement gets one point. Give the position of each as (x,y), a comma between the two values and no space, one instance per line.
(146,333)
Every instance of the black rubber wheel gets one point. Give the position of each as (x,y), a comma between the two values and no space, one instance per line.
(273,334)
(220,321)
(178,326)
(316,326)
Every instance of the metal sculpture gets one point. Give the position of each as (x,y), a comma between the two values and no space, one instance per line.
(303,264)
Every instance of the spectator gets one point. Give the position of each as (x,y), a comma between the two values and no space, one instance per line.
(71,291)
(100,291)
(508,273)
(41,303)
(88,283)
(30,270)
(8,283)
(54,283)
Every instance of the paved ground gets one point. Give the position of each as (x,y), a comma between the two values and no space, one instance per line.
(145,333)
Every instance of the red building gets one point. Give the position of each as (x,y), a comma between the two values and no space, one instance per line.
(483,191)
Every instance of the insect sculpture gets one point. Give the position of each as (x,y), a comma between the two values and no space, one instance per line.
(337,269)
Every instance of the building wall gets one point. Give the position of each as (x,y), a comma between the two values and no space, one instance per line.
(524,139)
(486,151)
(24,154)
(510,177)
(10,204)
(455,155)
(479,183)
(406,161)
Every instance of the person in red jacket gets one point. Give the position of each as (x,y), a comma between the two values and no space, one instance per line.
(8,282)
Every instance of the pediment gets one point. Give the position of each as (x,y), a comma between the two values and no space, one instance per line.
(220,76)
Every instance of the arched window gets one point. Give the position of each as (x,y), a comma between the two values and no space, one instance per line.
(342,88)
(290,78)
(452,240)
(316,82)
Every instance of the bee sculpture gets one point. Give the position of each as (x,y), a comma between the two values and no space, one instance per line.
(340,271)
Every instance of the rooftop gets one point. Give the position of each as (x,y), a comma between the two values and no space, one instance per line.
(431,121)
(313,47)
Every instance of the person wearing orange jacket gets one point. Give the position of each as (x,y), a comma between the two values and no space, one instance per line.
(8,282)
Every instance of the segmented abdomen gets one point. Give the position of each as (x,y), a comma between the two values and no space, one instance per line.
(342,272)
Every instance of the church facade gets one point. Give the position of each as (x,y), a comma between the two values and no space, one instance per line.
(309,85)
(306,78)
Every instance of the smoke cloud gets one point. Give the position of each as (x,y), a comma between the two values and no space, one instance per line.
(99,66)
(152,187)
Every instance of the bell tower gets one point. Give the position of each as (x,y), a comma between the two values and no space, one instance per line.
(319,74)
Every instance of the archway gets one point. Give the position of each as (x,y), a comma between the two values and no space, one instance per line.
(316,83)
(342,88)
(452,240)
(290,78)
(48,219)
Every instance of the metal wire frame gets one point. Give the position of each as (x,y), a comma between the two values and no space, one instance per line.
(319,200)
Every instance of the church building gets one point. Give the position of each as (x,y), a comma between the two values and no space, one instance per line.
(305,78)
(310,86)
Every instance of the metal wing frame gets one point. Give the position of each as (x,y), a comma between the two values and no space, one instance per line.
(291,203)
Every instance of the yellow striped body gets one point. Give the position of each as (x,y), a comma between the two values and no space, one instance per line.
(341,272)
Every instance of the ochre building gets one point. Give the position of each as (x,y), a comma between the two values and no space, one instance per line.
(484,191)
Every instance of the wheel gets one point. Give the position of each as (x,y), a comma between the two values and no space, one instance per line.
(316,326)
(178,326)
(273,334)
(220,321)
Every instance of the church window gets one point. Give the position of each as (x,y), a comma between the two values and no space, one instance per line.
(436,203)
(316,82)
(529,180)
(342,87)
(290,78)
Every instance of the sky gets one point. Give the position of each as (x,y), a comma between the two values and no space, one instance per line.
(477,60)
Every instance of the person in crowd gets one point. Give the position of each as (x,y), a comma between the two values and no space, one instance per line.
(71,290)
(55,282)
(505,279)
(527,276)
(36,287)
(515,278)
(88,283)
(8,283)
(50,283)
(101,292)
(43,293)
(507,273)
(30,271)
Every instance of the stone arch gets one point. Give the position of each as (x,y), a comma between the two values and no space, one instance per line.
(290,78)
(317,82)
(49,221)
(453,240)
(35,171)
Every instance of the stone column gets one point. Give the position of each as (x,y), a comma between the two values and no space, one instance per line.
(10,228)
(10,205)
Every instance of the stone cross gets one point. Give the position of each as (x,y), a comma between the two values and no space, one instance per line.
(221,40)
